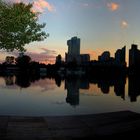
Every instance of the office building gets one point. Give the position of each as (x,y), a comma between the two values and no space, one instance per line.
(74,46)
(73,54)
(120,57)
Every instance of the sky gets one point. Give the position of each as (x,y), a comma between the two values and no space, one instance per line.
(102,25)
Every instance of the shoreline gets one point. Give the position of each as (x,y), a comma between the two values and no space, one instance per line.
(69,127)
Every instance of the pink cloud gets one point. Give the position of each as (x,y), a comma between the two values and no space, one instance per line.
(113,6)
(46,57)
(38,5)
(41,5)
(45,84)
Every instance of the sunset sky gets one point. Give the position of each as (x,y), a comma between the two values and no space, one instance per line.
(101,25)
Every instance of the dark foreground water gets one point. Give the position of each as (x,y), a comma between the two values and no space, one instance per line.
(71,96)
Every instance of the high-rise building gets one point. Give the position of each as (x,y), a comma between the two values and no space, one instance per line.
(85,58)
(74,46)
(73,54)
(58,59)
(120,56)
(134,56)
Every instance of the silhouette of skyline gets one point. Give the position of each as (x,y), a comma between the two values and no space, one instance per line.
(101,25)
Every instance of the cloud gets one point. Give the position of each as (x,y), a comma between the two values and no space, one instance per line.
(46,56)
(113,6)
(85,4)
(124,24)
(45,84)
(38,5)
(41,5)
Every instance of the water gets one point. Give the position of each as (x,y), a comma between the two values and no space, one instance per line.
(72,96)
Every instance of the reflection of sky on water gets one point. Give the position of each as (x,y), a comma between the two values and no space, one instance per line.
(44,97)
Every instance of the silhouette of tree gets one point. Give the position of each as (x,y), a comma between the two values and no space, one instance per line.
(23,61)
(19,26)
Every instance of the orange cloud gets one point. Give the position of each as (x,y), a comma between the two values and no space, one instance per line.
(124,24)
(46,56)
(113,6)
(41,5)
(38,5)
(93,53)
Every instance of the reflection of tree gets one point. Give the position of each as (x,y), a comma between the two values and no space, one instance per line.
(9,80)
(23,80)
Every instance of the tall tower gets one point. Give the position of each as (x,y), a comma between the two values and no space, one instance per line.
(73,54)
(120,56)
(74,46)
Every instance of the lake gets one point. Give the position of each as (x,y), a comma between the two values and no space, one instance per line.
(27,96)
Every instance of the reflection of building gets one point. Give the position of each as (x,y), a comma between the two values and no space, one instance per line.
(73,54)
(120,57)
(133,88)
(119,87)
(73,86)
(134,56)
(105,83)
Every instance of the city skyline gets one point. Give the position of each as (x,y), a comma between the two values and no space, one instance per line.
(101,25)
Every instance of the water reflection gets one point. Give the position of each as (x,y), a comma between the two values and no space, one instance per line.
(9,80)
(73,85)
(134,87)
(106,83)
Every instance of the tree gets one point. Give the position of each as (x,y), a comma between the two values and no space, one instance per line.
(23,61)
(19,26)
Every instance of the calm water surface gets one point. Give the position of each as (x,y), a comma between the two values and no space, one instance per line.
(49,97)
